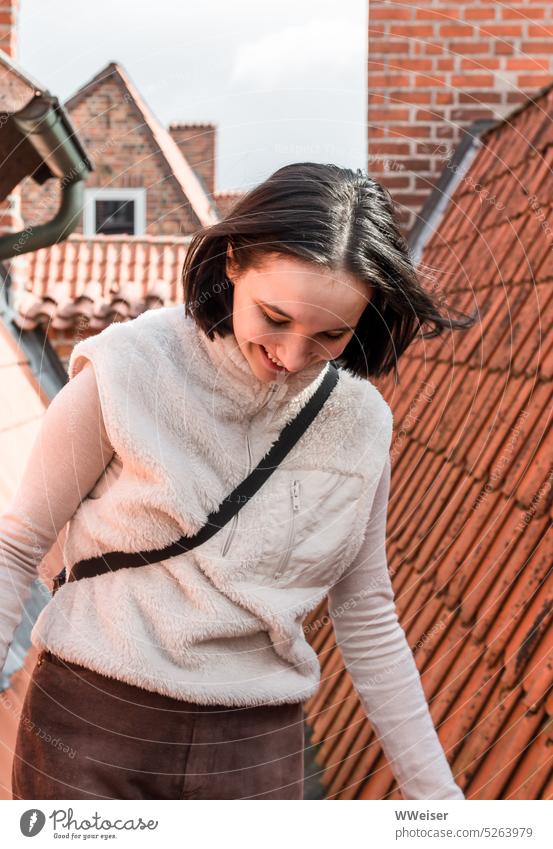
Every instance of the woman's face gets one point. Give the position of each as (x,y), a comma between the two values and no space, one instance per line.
(296,311)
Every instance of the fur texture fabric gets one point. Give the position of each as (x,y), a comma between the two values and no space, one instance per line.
(188,419)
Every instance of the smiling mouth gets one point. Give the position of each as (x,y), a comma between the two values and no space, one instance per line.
(272,365)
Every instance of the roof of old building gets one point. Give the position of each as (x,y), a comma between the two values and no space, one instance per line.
(225,200)
(101,279)
(186,178)
(469,542)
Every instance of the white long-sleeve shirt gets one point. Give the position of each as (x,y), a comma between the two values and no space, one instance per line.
(68,460)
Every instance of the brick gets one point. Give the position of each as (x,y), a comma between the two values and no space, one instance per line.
(415,164)
(428,115)
(521,12)
(431,49)
(388,114)
(388,80)
(412,64)
(484,13)
(465,114)
(501,30)
(410,199)
(381,45)
(503,48)
(377,30)
(456,31)
(527,64)
(428,81)
(478,80)
(412,30)
(470,47)
(533,48)
(423,14)
(479,96)
(410,131)
(390,13)
(478,64)
(534,80)
(397,181)
(410,96)
(391,148)
(540,31)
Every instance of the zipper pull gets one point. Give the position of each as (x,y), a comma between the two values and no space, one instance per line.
(295,495)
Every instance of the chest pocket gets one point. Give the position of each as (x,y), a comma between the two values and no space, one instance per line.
(304,519)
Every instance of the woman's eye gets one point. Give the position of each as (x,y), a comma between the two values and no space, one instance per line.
(273,321)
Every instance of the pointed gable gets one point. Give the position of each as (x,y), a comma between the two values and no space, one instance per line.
(131,150)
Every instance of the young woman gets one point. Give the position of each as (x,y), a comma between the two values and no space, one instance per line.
(186,678)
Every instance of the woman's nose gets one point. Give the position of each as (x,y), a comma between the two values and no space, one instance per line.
(297,355)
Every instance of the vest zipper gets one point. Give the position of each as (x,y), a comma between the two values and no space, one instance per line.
(295,497)
(226,545)
(234,522)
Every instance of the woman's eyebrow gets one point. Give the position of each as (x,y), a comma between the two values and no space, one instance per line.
(285,315)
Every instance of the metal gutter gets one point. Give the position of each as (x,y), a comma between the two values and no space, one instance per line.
(430,215)
(46,126)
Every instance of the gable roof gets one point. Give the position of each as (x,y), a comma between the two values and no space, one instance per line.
(470,548)
(186,179)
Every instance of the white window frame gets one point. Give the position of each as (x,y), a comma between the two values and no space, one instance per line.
(92,195)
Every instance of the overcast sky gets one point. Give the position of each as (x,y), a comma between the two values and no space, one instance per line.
(283,81)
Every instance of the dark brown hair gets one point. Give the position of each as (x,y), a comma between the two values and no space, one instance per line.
(333,217)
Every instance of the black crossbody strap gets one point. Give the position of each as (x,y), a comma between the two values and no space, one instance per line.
(288,437)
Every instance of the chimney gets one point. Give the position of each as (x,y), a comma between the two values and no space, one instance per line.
(434,68)
(197,144)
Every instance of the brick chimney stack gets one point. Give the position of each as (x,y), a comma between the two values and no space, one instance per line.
(197,143)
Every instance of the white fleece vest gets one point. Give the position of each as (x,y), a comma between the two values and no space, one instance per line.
(188,419)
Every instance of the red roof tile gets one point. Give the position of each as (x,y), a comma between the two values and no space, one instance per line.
(101,279)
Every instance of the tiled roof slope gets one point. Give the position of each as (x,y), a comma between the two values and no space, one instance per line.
(470,547)
(101,279)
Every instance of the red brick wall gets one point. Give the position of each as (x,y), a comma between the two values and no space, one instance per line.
(197,143)
(123,155)
(437,65)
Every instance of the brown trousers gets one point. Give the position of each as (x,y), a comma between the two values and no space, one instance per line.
(83,735)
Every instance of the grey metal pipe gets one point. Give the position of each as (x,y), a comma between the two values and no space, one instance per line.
(56,230)
(45,125)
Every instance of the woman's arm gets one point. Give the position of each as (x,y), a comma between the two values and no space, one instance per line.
(68,456)
(382,667)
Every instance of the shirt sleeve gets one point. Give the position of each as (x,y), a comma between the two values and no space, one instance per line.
(69,454)
(382,666)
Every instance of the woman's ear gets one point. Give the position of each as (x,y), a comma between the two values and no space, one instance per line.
(230,265)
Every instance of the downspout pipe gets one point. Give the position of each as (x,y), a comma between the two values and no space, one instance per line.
(46,126)
(56,230)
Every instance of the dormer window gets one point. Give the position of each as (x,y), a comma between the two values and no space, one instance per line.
(114,211)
